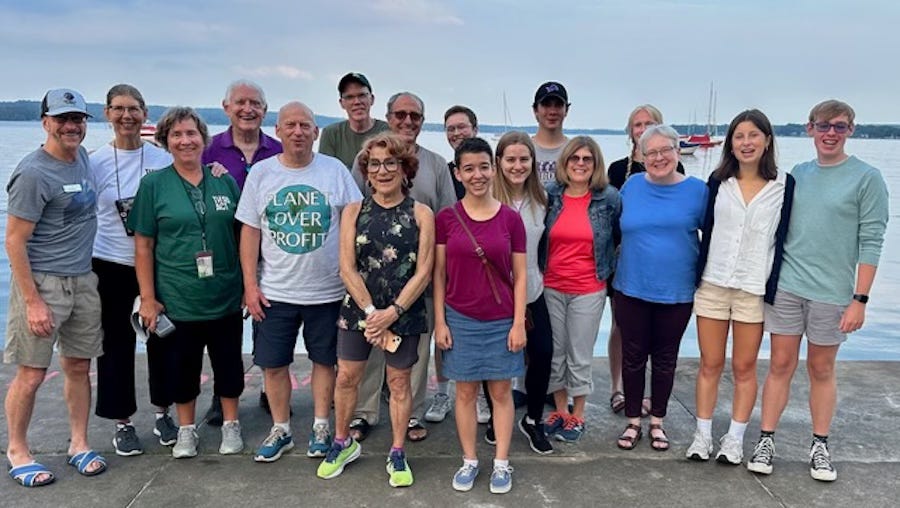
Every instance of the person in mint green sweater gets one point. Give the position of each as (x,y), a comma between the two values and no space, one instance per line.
(831,253)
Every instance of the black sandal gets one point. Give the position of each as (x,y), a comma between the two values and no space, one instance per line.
(414,430)
(617,402)
(658,443)
(631,440)
(359,429)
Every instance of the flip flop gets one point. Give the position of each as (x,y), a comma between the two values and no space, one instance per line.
(359,429)
(414,430)
(617,402)
(81,461)
(26,474)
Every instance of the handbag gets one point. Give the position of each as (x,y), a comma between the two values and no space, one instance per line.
(489,267)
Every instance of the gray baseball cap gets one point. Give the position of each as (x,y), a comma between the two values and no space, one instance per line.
(60,101)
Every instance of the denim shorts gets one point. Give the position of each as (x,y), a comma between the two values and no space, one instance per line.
(275,336)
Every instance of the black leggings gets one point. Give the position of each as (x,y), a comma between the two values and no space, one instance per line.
(184,354)
(539,353)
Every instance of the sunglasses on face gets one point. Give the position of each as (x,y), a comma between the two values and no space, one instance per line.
(839,127)
(401,115)
(71,117)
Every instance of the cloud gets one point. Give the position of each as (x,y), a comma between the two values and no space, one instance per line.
(282,71)
(420,11)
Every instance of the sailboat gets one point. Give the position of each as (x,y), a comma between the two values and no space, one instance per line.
(507,120)
(706,140)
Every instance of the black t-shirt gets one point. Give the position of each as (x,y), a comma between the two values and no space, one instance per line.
(617,170)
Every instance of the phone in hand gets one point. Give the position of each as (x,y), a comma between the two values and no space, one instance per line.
(393,343)
(164,326)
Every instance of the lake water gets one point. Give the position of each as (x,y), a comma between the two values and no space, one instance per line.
(878,340)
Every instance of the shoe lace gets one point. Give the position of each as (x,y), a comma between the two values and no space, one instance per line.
(398,461)
(274,436)
(820,456)
(764,450)
(553,418)
(321,433)
(572,422)
(467,470)
(502,472)
(333,452)
(185,433)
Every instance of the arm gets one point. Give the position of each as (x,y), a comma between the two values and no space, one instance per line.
(353,281)
(143,267)
(249,254)
(855,314)
(442,336)
(516,340)
(18,232)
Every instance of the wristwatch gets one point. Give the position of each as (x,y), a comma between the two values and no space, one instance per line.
(863,299)
(369,309)
(399,308)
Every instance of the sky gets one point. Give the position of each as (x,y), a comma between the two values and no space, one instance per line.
(781,56)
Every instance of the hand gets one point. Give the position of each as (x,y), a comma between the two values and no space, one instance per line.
(217,169)
(517,337)
(40,319)
(853,318)
(442,338)
(375,338)
(149,311)
(380,320)
(255,301)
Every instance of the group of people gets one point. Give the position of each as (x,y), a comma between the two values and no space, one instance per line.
(374,245)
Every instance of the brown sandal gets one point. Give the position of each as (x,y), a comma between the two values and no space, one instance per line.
(617,402)
(658,443)
(631,440)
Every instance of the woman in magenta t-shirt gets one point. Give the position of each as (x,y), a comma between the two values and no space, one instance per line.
(479,306)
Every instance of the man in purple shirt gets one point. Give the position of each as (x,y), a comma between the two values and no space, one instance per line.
(244,143)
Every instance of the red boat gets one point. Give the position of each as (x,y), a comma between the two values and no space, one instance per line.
(704,140)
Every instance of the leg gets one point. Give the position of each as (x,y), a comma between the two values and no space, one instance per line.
(614,351)
(820,364)
(278,382)
(633,317)
(712,334)
(668,323)
(19,407)
(349,376)
(323,389)
(777,388)
(557,308)
(400,403)
(540,353)
(368,405)
(583,324)
(223,344)
(745,351)
(466,425)
(77,392)
(419,374)
(503,414)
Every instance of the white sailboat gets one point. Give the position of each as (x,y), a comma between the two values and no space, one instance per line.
(507,120)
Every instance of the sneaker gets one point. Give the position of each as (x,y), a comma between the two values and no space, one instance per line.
(214,413)
(501,480)
(232,442)
(166,430)
(483,411)
(571,430)
(398,468)
(489,436)
(464,478)
(731,450)
(337,458)
(701,448)
(276,443)
(319,441)
(820,466)
(554,423)
(537,440)
(186,445)
(763,453)
(440,406)
(126,441)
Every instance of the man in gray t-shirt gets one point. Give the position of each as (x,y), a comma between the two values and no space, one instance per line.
(551,105)
(50,230)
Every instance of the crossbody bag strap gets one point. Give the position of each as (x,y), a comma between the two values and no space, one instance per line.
(480,252)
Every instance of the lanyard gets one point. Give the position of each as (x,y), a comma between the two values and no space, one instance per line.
(116,160)
(199,206)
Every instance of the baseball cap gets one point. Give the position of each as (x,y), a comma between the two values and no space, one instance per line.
(353,77)
(551,89)
(60,101)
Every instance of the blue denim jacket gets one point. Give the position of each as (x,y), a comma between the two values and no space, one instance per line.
(603,213)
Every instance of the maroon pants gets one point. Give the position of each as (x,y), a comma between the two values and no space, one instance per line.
(649,331)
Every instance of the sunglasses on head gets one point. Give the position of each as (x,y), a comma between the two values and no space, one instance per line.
(839,127)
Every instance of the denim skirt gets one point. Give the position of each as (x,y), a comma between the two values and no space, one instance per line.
(480,350)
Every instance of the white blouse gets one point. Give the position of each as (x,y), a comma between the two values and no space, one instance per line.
(742,247)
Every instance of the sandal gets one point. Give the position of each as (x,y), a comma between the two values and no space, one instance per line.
(658,443)
(81,461)
(631,440)
(26,474)
(415,431)
(646,406)
(360,429)
(617,402)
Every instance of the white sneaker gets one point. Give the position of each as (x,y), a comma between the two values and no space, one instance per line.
(439,408)
(763,455)
(186,446)
(731,450)
(701,448)
(820,466)
(483,410)
(232,442)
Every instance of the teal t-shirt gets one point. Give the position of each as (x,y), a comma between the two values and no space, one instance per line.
(165,209)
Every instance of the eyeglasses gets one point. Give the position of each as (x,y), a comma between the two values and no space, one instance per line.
(355,97)
(457,128)
(119,110)
(662,152)
(389,165)
(839,127)
(70,117)
(588,160)
(401,115)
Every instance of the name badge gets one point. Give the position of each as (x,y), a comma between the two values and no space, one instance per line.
(72,187)
(204,264)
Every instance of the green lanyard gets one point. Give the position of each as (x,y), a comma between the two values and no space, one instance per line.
(199,205)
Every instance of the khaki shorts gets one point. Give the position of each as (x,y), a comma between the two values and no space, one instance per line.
(795,315)
(75,305)
(727,304)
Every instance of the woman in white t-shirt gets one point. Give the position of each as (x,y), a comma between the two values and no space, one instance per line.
(740,257)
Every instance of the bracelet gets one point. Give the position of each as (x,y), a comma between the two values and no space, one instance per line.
(399,308)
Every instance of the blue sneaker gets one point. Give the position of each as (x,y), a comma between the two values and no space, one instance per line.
(501,479)
(464,478)
(554,423)
(571,430)
(319,441)
(274,445)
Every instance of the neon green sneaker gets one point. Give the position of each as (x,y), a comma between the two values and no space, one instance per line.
(398,468)
(338,457)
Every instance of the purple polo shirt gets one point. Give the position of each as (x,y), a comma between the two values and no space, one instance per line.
(221,149)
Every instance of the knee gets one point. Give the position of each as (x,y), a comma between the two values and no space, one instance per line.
(76,367)
(347,380)
(29,379)
(820,372)
(744,371)
(466,393)
(780,366)
(711,367)
(400,386)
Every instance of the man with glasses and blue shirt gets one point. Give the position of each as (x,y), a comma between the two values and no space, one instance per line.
(53,301)
(831,254)
(344,139)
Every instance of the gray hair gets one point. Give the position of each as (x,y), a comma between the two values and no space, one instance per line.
(393,99)
(249,84)
(658,130)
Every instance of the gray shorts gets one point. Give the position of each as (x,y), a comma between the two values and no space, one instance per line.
(75,305)
(794,315)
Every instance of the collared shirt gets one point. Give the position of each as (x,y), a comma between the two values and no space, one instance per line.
(222,149)
(742,245)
